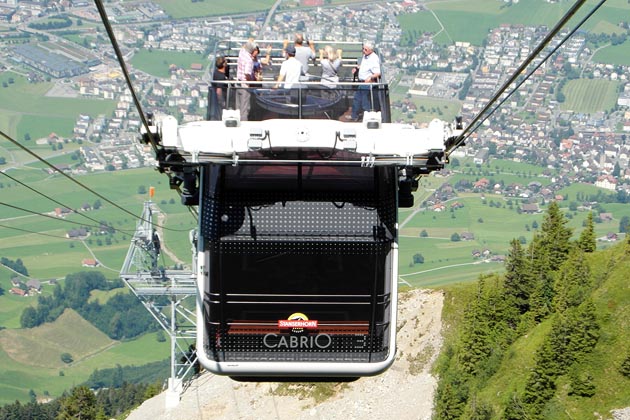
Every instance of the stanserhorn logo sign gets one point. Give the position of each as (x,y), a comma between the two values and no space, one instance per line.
(296,324)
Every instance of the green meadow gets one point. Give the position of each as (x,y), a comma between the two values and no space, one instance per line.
(471,20)
(54,255)
(494,221)
(157,62)
(433,108)
(590,96)
(42,115)
(183,9)
(614,54)
(464,20)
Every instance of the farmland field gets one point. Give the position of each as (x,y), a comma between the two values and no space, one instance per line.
(471,20)
(56,256)
(30,111)
(590,96)
(182,9)
(428,109)
(157,62)
(614,54)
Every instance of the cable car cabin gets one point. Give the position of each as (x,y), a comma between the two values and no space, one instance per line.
(297,243)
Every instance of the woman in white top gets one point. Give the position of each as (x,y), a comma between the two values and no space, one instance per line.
(330,60)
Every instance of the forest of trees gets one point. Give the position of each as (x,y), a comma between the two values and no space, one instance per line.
(106,394)
(17,265)
(121,317)
(549,280)
(83,403)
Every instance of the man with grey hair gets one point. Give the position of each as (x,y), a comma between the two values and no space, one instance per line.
(368,71)
(304,53)
(244,73)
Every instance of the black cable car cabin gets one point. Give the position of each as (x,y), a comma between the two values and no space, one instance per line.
(297,244)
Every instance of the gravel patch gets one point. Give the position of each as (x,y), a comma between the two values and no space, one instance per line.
(405,391)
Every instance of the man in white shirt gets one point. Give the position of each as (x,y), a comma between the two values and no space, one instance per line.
(290,70)
(369,71)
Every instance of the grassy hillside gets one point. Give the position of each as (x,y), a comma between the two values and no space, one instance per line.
(32,358)
(610,270)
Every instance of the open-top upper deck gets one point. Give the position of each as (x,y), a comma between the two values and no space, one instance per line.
(308,122)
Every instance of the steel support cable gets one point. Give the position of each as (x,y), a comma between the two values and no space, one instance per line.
(524,79)
(98,222)
(98,226)
(123,67)
(563,21)
(85,187)
(36,213)
(33,232)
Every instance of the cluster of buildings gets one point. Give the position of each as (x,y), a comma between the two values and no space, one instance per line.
(587,147)
(31,287)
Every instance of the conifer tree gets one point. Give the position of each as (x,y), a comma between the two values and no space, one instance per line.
(451,397)
(624,368)
(586,330)
(540,275)
(573,282)
(479,410)
(587,242)
(475,337)
(517,284)
(541,383)
(80,404)
(515,409)
(555,235)
(581,382)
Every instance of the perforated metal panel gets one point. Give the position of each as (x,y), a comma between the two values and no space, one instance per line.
(298,240)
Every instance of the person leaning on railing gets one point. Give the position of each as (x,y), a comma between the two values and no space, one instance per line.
(368,71)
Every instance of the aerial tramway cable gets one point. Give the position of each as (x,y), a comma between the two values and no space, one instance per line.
(482,115)
(33,232)
(112,39)
(58,219)
(123,67)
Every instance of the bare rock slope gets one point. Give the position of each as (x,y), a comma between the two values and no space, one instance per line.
(405,391)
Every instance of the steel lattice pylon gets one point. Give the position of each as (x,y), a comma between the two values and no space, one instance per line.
(169,295)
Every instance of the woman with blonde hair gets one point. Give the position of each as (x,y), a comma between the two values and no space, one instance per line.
(330,60)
